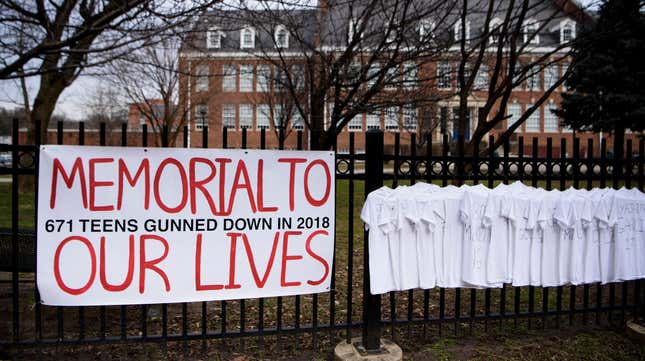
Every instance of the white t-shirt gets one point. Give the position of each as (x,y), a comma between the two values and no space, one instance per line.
(452,238)
(536,234)
(593,250)
(522,220)
(573,244)
(640,232)
(476,236)
(496,217)
(551,231)
(377,213)
(624,217)
(428,206)
(403,241)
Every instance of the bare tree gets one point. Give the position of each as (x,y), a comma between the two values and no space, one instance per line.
(507,51)
(149,80)
(356,56)
(57,40)
(105,105)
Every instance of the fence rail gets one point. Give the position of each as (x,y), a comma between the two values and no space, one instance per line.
(348,306)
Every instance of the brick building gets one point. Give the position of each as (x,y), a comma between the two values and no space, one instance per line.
(235,75)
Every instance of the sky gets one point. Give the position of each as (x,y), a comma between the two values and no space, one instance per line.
(73,102)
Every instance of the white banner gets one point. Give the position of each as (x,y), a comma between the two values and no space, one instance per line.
(154,225)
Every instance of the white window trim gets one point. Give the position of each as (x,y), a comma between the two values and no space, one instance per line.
(354,25)
(548,114)
(493,25)
(275,37)
(199,120)
(214,33)
(202,81)
(250,124)
(458,31)
(243,75)
(261,112)
(535,117)
(426,24)
(244,30)
(536,38)
(356,124)
(563,24)
(440,77)
(229,107)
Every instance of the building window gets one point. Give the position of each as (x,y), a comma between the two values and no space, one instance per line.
(550,119)
(356,124)
(410,75)
(281,37)
(550,76)
(201,84)
(228,116)
(297,123)
(426,29)
(262,116)
(298,76)
(533,121)
(281,79)
(354,29)
(443,75)
(246,78)
(214,38)
(533,79)
(264,78)
(246,116)
(392,80)
(565,69)
(278,116)
(410,118)
(229,81)
(201,116)
(567,31)
(392,32)
(514,112)
(247,38)
(458,32)
(481,80)
(495,30)
(392,119)
(531,32)
(373,74)
(373,121)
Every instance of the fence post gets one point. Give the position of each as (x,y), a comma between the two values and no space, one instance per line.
(371,303)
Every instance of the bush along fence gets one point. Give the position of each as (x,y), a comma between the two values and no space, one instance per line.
(348,310)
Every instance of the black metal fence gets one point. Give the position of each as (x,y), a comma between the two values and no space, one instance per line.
(348,307)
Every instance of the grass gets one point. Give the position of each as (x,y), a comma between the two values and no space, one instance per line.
(482,345)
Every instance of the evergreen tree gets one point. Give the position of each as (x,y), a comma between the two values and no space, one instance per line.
(607,80)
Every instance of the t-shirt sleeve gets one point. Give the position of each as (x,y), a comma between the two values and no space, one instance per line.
(366,213)
(507,209)
(464,208)
(561,214)
(601,213)
(532,213)
(491,211)
(386,218)
(586,214)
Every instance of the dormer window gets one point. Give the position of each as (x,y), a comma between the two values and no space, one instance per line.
(214,38)
(567,31)
(426,29)
(495,30)
(354,28)
(281,37)
(247,38)
(531,32)
(458,32)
